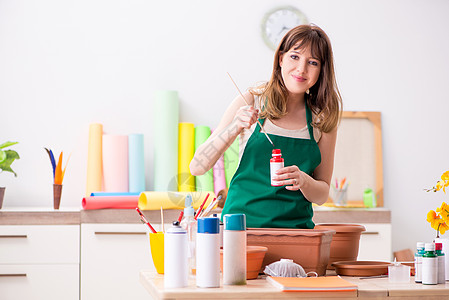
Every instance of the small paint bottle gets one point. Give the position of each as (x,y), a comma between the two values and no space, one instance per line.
(441,263)
(276,163)
(429,265)
(208,253)
(418,261)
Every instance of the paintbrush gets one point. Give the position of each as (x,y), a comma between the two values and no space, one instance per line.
(210,207)
(261,127)
(198,212)
(144,220)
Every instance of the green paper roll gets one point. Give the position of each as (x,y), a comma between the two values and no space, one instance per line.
(165,116)
(186,149)
(231,161)
(203,182)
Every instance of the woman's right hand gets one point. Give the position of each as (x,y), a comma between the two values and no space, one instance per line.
(245,117)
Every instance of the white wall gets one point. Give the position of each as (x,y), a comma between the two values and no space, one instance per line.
(66,64)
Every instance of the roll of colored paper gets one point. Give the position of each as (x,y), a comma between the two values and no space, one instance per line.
(172,200)
(165,117)
(94,159)
(136,163)
(203,182)
(219,176)
(115,163)
(231,160)
(110,202)
(186,150)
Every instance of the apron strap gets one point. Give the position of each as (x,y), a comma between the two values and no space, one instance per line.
(309,121)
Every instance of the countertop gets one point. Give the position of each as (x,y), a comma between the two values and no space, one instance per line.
(374,288)
(70,216)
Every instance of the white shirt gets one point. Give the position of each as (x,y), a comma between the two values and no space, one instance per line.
(271,128)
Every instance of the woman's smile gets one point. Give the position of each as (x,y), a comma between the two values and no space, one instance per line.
(299,78)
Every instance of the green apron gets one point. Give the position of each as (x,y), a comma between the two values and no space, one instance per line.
(251,193)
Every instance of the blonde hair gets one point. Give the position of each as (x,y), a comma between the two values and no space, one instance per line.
(324,98)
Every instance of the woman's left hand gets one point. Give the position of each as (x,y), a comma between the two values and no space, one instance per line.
(291,176)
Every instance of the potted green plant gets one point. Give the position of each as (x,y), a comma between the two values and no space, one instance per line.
(7,157)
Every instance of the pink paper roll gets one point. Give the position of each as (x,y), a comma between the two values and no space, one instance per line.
(219,176)
(100,202)
(115,163)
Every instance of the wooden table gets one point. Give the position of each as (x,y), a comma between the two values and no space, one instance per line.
(375,288)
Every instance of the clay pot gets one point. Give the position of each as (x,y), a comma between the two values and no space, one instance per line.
(309,248)
(254,259)
(345,242)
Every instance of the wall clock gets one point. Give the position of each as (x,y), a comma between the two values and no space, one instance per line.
(277,22)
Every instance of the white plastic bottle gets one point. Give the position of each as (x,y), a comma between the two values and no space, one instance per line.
(208,253)
(176,270)
(234,249)
(429,265)
(276,163)
(189,224)
(441,262)
(418,261)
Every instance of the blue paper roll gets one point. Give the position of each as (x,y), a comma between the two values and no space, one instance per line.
(136,163)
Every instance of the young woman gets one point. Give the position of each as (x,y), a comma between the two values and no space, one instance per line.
(299,108)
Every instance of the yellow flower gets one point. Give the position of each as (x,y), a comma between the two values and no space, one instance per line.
(439,220)
(443,228)
(440,185)
(443,212)
(433,219)
(445,176)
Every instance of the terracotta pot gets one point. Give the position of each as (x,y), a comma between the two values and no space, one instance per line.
(2,195)
(309,248)
(57,190)
(254,259)
(345,242)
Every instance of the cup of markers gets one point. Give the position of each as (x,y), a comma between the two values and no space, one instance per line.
(340,192)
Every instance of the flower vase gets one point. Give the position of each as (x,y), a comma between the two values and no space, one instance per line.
(57,190)
(445,243)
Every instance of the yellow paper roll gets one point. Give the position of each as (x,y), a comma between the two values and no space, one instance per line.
(186,150)
(94,159)
(172,200)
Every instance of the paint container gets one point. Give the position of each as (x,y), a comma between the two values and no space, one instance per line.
(276,163)
(208,253)
(176,271)
(234,249)
(418,261)
(441,262)
(430,265)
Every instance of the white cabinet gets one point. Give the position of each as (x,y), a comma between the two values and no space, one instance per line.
(375,242)
(112,255)
(39,262)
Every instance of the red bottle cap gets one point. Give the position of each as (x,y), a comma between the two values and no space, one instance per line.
(438,246)
(276,151)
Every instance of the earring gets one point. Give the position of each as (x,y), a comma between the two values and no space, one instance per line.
(308,92)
